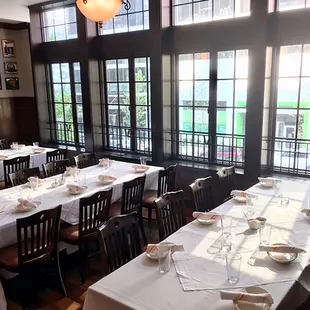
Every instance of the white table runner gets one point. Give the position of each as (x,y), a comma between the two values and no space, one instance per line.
(147,289)
(52,197)
(36,160)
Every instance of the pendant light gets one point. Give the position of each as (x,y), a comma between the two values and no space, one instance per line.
(101,11)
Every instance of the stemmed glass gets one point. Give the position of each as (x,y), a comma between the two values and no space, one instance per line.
(105,165)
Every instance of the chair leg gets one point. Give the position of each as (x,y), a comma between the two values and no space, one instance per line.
(150,211)
(62,285)
(82,263)
(142,231)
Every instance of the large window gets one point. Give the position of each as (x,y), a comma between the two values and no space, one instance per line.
(137,18)
(128,105)
(212,128)
(289,146)
(284,5)
(59,23)
(67,103)
(197,11)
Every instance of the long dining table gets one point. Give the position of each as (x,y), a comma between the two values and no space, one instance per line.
(48,196)
(36,159)
(199,273)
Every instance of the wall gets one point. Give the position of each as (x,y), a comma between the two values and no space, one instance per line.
(11,11)
(18,112)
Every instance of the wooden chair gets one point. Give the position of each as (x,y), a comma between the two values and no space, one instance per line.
(131,201)
(21,176)
(120,240)
(4,144)
(227,181)
(169,213)
(202,195)
(56,155)
(166,183)
(85,160)
(37,243)
(93,212)
(14,164)
(55,167)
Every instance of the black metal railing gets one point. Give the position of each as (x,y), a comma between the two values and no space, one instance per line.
(286,155)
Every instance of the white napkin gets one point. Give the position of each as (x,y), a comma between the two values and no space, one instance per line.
(306,211)
(26,203)
(281,249)
(239,193)
(152,248)
(253,298)
(206,216)
(269,179)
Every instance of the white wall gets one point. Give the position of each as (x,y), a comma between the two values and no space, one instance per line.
(14,12)
(23,59)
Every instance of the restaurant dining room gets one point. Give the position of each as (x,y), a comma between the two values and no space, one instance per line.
(155,155)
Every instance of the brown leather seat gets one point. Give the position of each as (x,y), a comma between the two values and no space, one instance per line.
(9,257)
(149,198)
(70,234)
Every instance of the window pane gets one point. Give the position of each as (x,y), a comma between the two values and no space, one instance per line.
(288,92)
(123,70)
(242,64)
(111,72)
(120,23)
(59,113)
(60,32)
(140,69)
(241,89)
(57,93)
(67,93)
(68,113)
(142,117)
(202,11)
(202,93)
(201,120)
(185,93)
(50,34)
(239,121)
(141,93)
(223,9)
(305,93)
(70,14)
(112,93)
(79,110)
(242,7)
(286,124)
(306,60)
(290,5)
(225,65)
(59,16)
(225,93)
(224,120)
(56,73)
(48,18)
(186,119)
(183,14)
(202,66)
(290,58)
(77,72)
(135,21)
(113,115)
(124,93)
(71,30)
(78,93)
(186,67)
(125,116)
(65,75)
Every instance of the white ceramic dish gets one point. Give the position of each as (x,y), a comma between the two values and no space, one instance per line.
(282,258)
(240,199)
(106,179)
(152,256)
(21,208)
(81,190)
(254,224)
(244,305)
(140,168)
(206,222)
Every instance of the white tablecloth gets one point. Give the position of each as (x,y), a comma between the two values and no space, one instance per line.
(51,197)
(145,288)
(36,160)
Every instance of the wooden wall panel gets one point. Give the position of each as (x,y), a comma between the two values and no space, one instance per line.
(7,119)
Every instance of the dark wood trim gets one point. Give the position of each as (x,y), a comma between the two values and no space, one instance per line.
(18,26)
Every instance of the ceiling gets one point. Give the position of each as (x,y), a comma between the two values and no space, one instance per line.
(29,2)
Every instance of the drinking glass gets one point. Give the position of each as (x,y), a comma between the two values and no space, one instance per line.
(105,165)
(265,234)
(226,223)
(15,145)
(226,242)
(233,262)
(164,259)
(250,205)
(226,239)
(35,144)
(143,160)
(34,183)
(82,179)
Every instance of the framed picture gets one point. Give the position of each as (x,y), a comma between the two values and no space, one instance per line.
(12,83)
(8,48)
(10,67)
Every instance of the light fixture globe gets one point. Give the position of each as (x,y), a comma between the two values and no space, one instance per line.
(99,10)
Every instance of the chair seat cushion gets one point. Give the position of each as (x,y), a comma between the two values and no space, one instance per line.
(69,234)
(149,198)
(115,209)
(9,257)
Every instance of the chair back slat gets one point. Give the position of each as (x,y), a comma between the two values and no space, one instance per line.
(85,160)
(55,167)
(202,195)
(37,235)
(21,176)
(166,180)
(170,213)
(94,211)
(4,144)
(132,196)
(13,165)
(120,241)
(227,180)
(56,155)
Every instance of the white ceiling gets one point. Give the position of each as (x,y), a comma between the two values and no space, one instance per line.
(29,2)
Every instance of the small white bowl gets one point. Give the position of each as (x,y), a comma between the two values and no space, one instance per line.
(240,199)
(254,224)
(244,305)
(282,258)
(140,168)
(76,190)
(106,179)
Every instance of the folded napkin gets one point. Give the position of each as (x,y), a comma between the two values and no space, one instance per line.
(254,298)
(306,211)
(238,193)
(206,216)
(152,248)
(269,179)
(281,249)
(26,203)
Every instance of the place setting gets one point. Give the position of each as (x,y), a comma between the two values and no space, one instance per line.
(105,178)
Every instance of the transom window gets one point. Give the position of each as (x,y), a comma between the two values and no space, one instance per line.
(59,22)
(128,106)
(67,103)
(284,5)
(137,18)
(212,128)
(197,11)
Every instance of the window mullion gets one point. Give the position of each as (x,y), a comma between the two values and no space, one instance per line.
(132,104)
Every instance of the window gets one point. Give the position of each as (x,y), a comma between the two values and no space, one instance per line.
(128,105)
(197,11)
(289,133)
(212,130)
(59,22)
(67,103)
(137,18)
(284,5)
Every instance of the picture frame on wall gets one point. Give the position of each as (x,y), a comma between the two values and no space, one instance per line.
(12,83)
(8,48)
(10,67)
